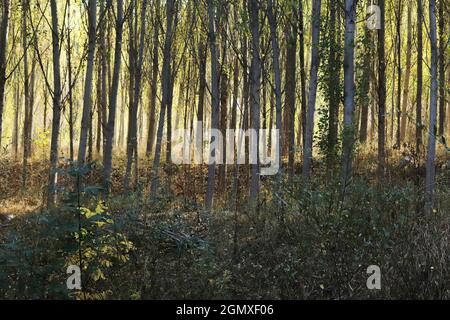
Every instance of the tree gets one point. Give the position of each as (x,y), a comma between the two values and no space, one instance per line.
(27,107)
(419,76)
(290,86)
(154,80)
(381,94)
(432,131)
(276,65)
(315,62)
(132,146)
(443,42)
(334,87)
(87,99)
(109,130)
(255,84)
(349,89)
(407,75)
(302,125)
(56,105)
(214,104)
(3,48)
(399,71)
(166,78)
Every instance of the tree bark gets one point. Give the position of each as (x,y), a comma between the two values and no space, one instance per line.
(56,105)
(109,130)
(315,62)
(132,148)
(3,48)
(166,79)
(443,42)
(154,82)
(407,75)
(431,154)
(276,68)
(255,79)
(381,94)
(302,113)
(349,90)
(290,88)
(87,99)
(214,102)
(419,76)
(399,74)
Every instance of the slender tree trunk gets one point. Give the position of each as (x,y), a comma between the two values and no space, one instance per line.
(334,68)
(381,94)
(109,130)
(87,99)
(69,66)
(431,154)
(104,78)
(290,88)
(202,52)
(166,79)
(443,42)
(407,75)
(3,48)
(419,76)
(365,84)
(302,113)
(16,116)
(27,107)
(276,68)
(154,82)
(349,90)
(255,78)
(315,62)
(56,105)
(214,104)
(224,84)
(399,73)
(233,124)
(132,149)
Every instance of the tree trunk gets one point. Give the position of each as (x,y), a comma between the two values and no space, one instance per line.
(349,90)
(419,76)
(166,79)
(302,113)
(334,68)
(255,79)
(132,148)
(443,42)
(69,71)
(315,61)
(154,82)
(407,75)
(202,52)
(109,132)
(399,74)
(381,94)
(431,154)
(56,105)
(365,84)
(87,99)
(26,89)
(290,88)
(3,48)
(276,68)
(224,84)
(214,103)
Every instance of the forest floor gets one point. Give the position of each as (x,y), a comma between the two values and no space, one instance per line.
(302,242)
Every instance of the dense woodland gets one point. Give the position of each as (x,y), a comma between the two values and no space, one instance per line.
(92,93)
